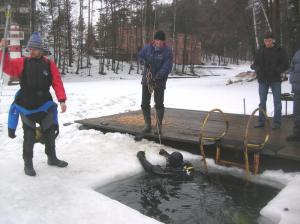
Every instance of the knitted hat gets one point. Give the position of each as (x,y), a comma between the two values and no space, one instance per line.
(268,35)
(35,41)
(160,35)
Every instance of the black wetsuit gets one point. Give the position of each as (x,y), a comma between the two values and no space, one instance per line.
(184,170)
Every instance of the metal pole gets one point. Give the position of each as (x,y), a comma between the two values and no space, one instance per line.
(244,101)
(3,47)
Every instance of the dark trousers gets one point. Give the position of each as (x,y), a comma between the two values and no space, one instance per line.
(48,130)
(28,143)
(29,140)
(263,89)
(296,113)
(158,98)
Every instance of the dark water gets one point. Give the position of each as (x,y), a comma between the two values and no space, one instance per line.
(213,199)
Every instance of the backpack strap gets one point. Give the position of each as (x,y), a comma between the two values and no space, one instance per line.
(48,62)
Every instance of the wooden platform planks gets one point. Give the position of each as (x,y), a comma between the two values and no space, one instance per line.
(183,126)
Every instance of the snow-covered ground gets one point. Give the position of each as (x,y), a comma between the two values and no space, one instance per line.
(67,195)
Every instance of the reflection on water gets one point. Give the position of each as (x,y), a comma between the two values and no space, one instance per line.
(209,199)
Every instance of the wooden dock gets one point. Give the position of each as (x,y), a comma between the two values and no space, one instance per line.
(183,127)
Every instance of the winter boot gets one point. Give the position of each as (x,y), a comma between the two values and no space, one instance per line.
(159,120)
(28,168)
(54,161)
(147,119)
(50,149)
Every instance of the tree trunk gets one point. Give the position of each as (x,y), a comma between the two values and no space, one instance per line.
(81,33)
(276,20)
(69,33)
(32,15)
(184,53)
(88,42)
(254,24)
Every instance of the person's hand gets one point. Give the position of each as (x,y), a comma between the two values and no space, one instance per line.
(63,107)
(162,152)
(159,76)
(3,43)
(140,154)
(11,133)
(152,82)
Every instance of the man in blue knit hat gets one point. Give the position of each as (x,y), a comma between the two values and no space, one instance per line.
(34,102)
(35,44)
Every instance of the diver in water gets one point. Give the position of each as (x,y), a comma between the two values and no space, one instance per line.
(175,167)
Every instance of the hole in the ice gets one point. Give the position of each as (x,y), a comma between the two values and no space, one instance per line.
(212,198)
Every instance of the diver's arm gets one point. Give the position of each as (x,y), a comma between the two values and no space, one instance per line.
(155,169)
(145,163)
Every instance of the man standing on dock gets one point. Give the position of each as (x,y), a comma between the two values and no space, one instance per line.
(157,60)
(269,63)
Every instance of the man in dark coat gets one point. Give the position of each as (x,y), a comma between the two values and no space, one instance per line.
(295,81)
(269,63)
(157,60)
(34,101)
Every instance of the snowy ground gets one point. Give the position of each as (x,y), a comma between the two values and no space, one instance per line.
(95,159)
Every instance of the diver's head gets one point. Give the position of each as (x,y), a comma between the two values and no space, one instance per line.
(175,159)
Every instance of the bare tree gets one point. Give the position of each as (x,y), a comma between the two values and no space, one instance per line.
(69,32)
(80,38)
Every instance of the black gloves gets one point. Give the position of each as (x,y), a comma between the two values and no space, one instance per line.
(162,152)
(147,65)
(152,82)
(140,154)
(159,76)
(11,133)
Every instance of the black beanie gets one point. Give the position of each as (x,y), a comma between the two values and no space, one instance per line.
(160,35)
(268,35)
(175,159)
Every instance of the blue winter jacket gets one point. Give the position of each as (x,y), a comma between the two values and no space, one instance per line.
(295,73)
(15,110)
(160,60)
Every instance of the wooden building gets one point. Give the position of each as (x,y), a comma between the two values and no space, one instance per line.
(186,48)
